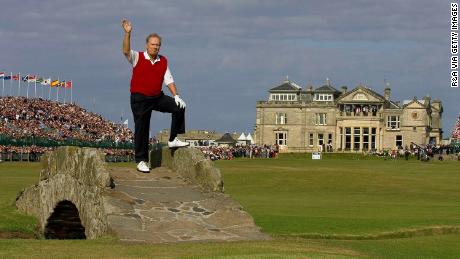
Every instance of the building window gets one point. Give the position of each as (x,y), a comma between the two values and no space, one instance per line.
(320,139)
(356,138)
(399,141)
(281,138)
(341,137)
(347,138)
(281,118)
(310,140)
(283,97)
(365,138)
(392,122)
(321,119)
(324,97)
(373,137)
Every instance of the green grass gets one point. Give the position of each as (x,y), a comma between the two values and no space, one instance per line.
(314,209)
(107,248)
(293,195)
(13,178)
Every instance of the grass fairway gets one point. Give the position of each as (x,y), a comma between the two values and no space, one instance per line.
(13,178)
(297,195)
(313,209)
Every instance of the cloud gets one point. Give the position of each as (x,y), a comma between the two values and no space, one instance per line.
(227,54)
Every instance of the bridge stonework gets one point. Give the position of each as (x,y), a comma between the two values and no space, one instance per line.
(78,175)
(181,200)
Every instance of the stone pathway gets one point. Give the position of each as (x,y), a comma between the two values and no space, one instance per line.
(161,207)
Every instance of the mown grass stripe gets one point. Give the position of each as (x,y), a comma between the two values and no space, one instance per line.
(404,233)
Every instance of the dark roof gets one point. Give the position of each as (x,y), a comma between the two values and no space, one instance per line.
(326,89)
(286,86)
(226,138)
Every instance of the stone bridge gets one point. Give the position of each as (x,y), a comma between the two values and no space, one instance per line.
(78,196)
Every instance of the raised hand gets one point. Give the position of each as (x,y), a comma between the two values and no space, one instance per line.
(126,25)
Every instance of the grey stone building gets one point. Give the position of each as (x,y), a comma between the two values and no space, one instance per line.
(357,120)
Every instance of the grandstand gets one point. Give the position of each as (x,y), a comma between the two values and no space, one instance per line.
(29,127)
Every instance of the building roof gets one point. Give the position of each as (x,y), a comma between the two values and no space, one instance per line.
(226,139)
(286,86)
(326,89)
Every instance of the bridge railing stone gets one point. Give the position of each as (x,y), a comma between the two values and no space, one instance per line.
(191,164)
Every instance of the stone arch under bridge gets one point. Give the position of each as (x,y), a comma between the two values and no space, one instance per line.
(64,222)
(79,196)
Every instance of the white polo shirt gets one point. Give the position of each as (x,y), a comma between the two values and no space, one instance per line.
(167,79)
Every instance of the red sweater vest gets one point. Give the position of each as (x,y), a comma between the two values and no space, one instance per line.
(147,79)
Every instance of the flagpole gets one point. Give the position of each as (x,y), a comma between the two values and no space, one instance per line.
(3,84)
(71,86)
(36,86)
(49,92)
(65,92)
(57,90)
(43,88)
(19,89)
(28,84)
(11,84)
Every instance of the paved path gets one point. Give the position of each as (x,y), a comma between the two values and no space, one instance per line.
(161,207)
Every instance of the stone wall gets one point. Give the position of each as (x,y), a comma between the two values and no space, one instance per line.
(191,164)
(77,175)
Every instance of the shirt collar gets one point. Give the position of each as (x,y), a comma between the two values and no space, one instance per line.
(146,55)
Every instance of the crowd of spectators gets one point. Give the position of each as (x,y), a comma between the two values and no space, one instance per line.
(421,152)
(25,153)
(249,151)
(21,117)
(33,153)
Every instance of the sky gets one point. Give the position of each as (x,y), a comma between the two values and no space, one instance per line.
(226,55)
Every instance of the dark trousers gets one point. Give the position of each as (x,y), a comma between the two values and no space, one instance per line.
(142,107)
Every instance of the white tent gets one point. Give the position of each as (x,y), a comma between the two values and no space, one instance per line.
(242,140)
(249,138)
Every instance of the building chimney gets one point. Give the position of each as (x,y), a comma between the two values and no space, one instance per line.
(427,100)
(387,93)
(309,94)
(437,104)
(344,89)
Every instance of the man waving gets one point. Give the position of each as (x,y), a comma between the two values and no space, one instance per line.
(150,71)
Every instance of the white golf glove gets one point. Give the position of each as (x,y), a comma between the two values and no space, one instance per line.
(179,101)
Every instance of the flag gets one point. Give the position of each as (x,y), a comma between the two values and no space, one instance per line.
(40,80)
(125,122)
(7,78)
(2,74)
(62,84)
(31,78)
(54,83)
(46,81)
(15,77)
(68,84)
